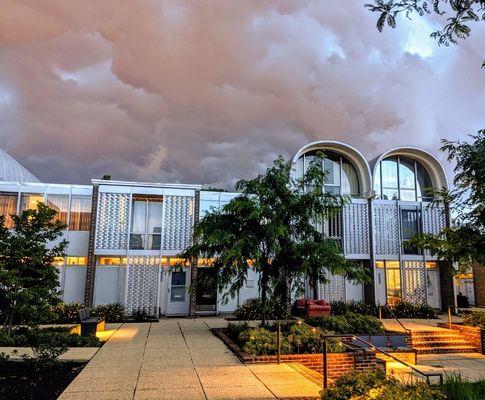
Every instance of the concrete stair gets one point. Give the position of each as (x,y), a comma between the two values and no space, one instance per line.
(441,341)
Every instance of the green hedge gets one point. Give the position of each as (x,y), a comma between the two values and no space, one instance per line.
(400,310)
(27,337)
(252,309)
(374,384)
(474,318)
(351,323)
(68,313)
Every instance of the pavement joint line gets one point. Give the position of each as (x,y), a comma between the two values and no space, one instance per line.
(256,376)
(192,361)
(142,358)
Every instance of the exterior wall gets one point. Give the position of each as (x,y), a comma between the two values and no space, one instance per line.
(74,281)
(109,285)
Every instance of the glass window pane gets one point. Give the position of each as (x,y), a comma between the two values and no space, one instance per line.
(8,207)
(408,195)
(409,221)
(389,194)
(29,201)
(178,278)
(350,181)
(139,216)
(60,203)
(109,261)
(389,173)
(154,242)
(76,260)
(137,241)
(424,188)
(332,170)
(406,173)
(80,216)
(177,294)
(332,189)
(154,217)
(377,182)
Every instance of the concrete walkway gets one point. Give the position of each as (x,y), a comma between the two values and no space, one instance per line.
(181,359)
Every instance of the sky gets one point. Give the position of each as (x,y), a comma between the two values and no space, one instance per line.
(212,91)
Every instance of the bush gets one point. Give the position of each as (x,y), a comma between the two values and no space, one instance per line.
(374,384)
(401,310)
(114,312)
(252,309)
(234,330)
(474,318)
(262,342)
(67,313)
(351,323)
(455,387)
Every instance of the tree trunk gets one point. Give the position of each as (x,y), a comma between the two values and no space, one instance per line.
(264,293)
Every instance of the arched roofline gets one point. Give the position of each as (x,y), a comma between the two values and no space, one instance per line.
(426,159)
(351,153)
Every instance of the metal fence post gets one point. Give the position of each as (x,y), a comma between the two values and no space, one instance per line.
(325,379)
(278,354)
(380,313)
(449,317)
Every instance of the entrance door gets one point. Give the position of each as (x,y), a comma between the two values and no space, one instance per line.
(178,296)
(206,290)
(380,283)
(433,288)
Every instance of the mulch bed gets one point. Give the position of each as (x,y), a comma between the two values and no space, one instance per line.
(28,380)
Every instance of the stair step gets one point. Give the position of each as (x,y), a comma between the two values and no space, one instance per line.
(441,344)
(441,350)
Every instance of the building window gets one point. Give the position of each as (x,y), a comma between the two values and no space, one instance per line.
(146,223)
(60,203)
(410,227)
(115,261)
(402,178)
(393,281)
(80,215)
(341,176)
(82,261)
(58,262)
(8,207)
(29,201)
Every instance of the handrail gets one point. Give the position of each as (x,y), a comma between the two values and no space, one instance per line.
(427,375)
(407,330)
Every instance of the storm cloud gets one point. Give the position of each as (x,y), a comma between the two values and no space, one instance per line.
(212,91)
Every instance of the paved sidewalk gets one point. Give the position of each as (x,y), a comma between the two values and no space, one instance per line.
(181,359)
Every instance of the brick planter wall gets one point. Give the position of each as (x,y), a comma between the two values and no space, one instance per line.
(473,334)
(337,363)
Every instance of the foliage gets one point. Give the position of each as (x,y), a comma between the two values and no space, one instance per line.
(28,279)
(402,309)
(474,318)
(350,323)
(114,312)
(461,13)
(456,387)
(141,315)
(23,336)
(464,242)
(341,307)
(67,313)
(295,339)
(271,227)
(252,309)
(374,384)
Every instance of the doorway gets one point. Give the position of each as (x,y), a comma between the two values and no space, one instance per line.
(206,291)
(177,293)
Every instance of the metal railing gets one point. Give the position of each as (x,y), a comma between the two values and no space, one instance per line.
(407,330)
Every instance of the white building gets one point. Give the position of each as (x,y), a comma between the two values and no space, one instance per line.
(123,235)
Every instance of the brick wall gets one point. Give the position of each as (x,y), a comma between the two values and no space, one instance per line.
(473,334)
(479,282)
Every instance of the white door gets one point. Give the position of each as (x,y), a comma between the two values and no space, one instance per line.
(380,286)
(433,288)
(178,296)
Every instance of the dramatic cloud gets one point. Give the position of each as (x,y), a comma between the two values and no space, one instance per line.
(212,91)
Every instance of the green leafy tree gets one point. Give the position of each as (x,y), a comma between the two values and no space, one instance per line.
(459,12)
(28,279)
(464,242)
(274,227)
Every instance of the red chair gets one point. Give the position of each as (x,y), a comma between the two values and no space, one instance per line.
(312,308)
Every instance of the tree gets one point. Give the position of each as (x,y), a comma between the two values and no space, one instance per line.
(457,26)
(28,278)
(273,227)
(464,242)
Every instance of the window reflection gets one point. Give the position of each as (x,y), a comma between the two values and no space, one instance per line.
(8,207)
(60,203)
(29,201)
(402,178)
(146,223)
(80,215)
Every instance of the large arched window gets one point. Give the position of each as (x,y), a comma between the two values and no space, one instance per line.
(402,178)
(342,177)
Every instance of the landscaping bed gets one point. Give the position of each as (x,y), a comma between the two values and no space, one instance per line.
(34,380)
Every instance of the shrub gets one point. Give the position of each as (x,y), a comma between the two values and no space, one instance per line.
(374,384)
(456,387)
(67,313)
(304,339)
(141,315)
(410,310)
(114,312)
(348,324)
(261,341)
(474,318)
(252,309)
(341,307)
(234,330)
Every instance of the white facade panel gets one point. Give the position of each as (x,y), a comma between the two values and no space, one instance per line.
(78,243)
(109,285)
(74,284)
